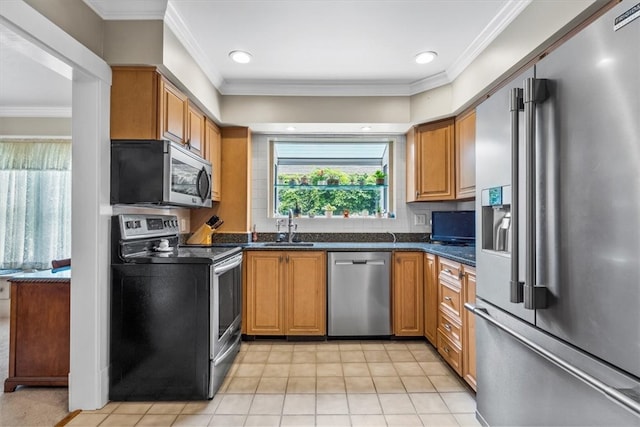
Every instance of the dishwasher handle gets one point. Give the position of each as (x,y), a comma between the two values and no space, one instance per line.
(361,262)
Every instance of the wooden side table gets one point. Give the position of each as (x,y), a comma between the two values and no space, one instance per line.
(39,332)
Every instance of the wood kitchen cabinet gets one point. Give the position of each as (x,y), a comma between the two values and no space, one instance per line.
(408,311)
(145,105)
(212,151)
(449,333)
(431,162)
(235,184)
(465,136)
(196,135)
(38,334)
(430,298)
(285,293)
(469,327)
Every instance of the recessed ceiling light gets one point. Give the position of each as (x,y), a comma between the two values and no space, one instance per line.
(240,56)
(425,57)
(366,128)
(291,128)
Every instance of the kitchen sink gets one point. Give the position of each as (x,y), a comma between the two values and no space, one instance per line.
(281,244)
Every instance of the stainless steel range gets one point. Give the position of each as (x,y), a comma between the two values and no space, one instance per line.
(175,312)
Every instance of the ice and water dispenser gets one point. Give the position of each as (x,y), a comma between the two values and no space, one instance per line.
(496,219)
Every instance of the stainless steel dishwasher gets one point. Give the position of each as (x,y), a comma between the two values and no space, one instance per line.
(359,293)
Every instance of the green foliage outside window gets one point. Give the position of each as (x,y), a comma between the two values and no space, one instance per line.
(311,200)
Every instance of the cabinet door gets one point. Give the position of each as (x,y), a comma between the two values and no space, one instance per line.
(469,329)
(264,293)
(436,163)
(466,156)
(134,103)
(173,108)
(408,317)
(40,330)
(195,129)
(430,298)
(213,153)
(306,301)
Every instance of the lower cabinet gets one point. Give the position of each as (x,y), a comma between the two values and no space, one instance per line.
(285,293)
(408,310)
(430,298)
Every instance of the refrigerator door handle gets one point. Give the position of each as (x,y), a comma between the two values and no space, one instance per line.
(515,106)
(535,91)
(620,396)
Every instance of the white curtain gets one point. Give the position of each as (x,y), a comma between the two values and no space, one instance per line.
(35,203)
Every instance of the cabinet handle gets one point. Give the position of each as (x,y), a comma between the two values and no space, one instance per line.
(287,258)
(281,258)
(447,326)
(460,275)
(447,298)
(417,194)
(446,350)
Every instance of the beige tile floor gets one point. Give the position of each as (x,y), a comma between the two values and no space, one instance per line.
(333,383)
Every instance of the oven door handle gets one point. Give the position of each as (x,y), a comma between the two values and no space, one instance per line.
(219,270)
(218,360)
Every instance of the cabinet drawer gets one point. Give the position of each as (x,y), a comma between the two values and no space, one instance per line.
(449,270)
(450,353)
(450,299)
(450,328)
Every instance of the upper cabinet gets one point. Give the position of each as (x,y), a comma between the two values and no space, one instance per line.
(145,105)
(441,160)
(212,151)
(466,155)
(430,162)
(195,137)
(173,112)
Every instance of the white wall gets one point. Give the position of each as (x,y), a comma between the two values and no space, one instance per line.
(88,380)
(403,223)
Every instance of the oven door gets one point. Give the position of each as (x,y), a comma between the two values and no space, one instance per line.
(187,178)
(226,303)
(226,318)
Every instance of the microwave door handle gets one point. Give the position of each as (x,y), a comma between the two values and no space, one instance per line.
(515,106)
(203,175)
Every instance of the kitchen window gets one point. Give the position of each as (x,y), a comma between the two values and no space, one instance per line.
(331,177)
(35,192)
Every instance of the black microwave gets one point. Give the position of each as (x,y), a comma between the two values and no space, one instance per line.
(160,173)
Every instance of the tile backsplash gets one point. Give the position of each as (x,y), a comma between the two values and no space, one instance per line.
(405,213)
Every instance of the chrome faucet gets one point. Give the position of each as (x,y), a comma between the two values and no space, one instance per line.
(291,225)
(393,235)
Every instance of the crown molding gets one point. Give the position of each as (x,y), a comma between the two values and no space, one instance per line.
(498,24)
(12,111)
(129,9)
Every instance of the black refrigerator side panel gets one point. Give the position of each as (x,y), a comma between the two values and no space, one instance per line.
(159,332)
(137,170)
(588,137)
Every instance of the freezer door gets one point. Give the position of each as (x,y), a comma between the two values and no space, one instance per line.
(493,169)
(519,387)
(588,138)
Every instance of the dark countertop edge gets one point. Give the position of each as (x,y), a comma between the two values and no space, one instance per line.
(44,276)
(39,279)
(462,254)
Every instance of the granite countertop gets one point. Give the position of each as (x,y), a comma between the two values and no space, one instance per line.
(42,276)
(463,254)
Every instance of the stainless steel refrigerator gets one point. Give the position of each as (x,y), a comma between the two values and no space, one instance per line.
(558,179)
